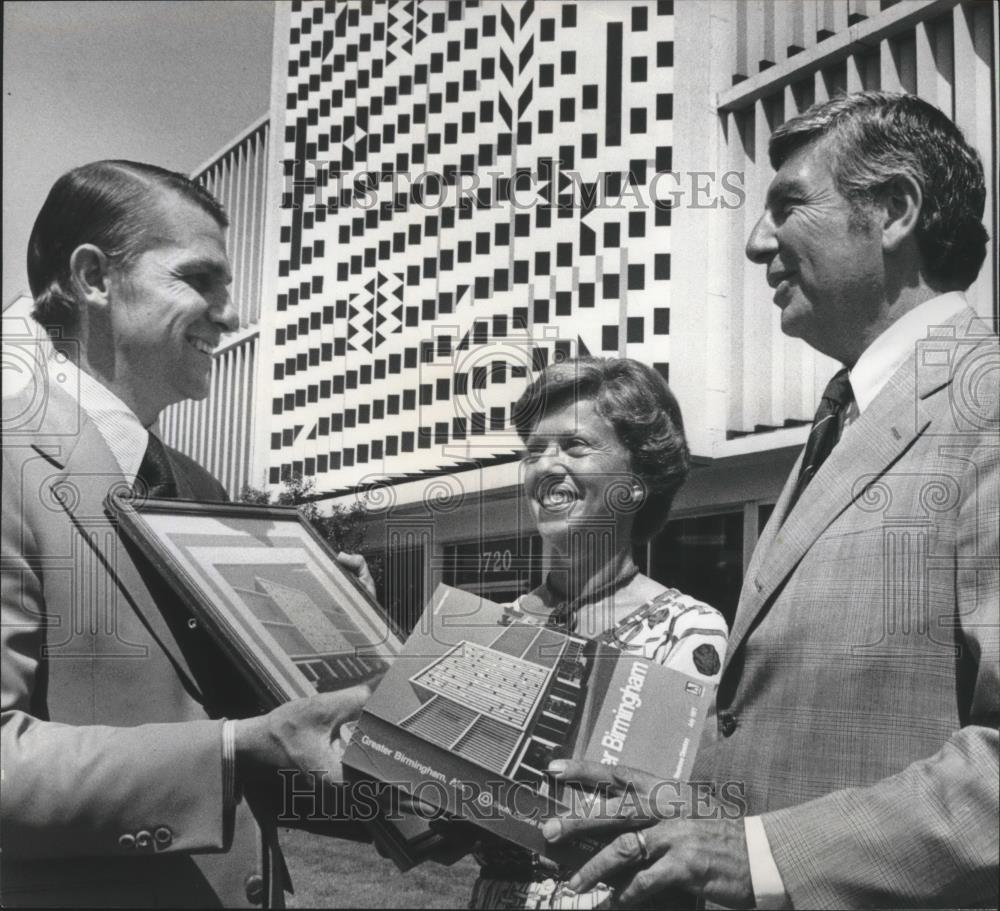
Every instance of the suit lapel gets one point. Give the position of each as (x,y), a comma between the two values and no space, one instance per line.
(870,447)
(900,414)
(773,526)
(88,471)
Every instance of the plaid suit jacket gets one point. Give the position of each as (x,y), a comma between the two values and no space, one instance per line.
(859,702)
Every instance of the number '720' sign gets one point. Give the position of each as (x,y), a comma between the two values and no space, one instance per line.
(495,561)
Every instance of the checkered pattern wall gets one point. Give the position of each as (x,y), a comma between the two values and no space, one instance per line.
(466,199)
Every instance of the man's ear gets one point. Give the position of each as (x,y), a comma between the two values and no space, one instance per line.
(902,200)
(89,272)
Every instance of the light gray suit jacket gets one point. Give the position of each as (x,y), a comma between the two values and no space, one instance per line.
(860,698)
(112,765)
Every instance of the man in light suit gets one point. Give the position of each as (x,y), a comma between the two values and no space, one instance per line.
(122,781)
(858,707)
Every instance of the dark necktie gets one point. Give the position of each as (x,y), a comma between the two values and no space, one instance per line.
(223,690)
(825,430)
(155,471)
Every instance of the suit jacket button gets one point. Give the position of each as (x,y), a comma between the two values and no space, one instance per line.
(126,841)
(163,837)
(727,724)
(255,889)
(143,840)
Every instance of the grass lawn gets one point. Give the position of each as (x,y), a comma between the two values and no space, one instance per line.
(330,873)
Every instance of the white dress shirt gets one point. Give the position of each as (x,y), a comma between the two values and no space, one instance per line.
(878,362)
(118,424)
(883,357)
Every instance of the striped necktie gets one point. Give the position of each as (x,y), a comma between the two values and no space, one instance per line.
(825,432)
(155,471)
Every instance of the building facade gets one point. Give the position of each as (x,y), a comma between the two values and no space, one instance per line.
(446,196)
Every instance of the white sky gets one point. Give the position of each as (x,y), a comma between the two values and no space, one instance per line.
(166,82)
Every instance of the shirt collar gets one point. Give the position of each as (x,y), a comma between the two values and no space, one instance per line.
(115,421)
(883,357)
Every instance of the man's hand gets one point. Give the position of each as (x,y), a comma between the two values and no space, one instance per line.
(300,735)
(664,837)
(358,567)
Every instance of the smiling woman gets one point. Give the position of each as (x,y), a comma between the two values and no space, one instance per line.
(606,454)
(613,422)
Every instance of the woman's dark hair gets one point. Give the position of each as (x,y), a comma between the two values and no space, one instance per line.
(638,403)
(110,204)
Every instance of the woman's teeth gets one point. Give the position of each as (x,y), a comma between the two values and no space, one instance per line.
(557,497)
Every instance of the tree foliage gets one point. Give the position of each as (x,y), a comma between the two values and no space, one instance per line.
(343,528)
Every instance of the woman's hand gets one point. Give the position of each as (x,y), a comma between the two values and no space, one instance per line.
(357,566)
(665,835)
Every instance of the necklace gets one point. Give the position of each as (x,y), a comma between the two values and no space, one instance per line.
(565,612)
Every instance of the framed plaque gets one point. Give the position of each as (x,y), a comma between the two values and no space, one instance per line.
(268,589)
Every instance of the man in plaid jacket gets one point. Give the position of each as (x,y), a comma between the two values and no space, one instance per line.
(858,707)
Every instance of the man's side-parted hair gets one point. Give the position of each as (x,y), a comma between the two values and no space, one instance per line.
(638,403)
(879,136)
(110,204)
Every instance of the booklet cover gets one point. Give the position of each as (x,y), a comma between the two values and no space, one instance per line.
(472,711)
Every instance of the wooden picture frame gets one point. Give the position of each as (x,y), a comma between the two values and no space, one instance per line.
(268,589)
